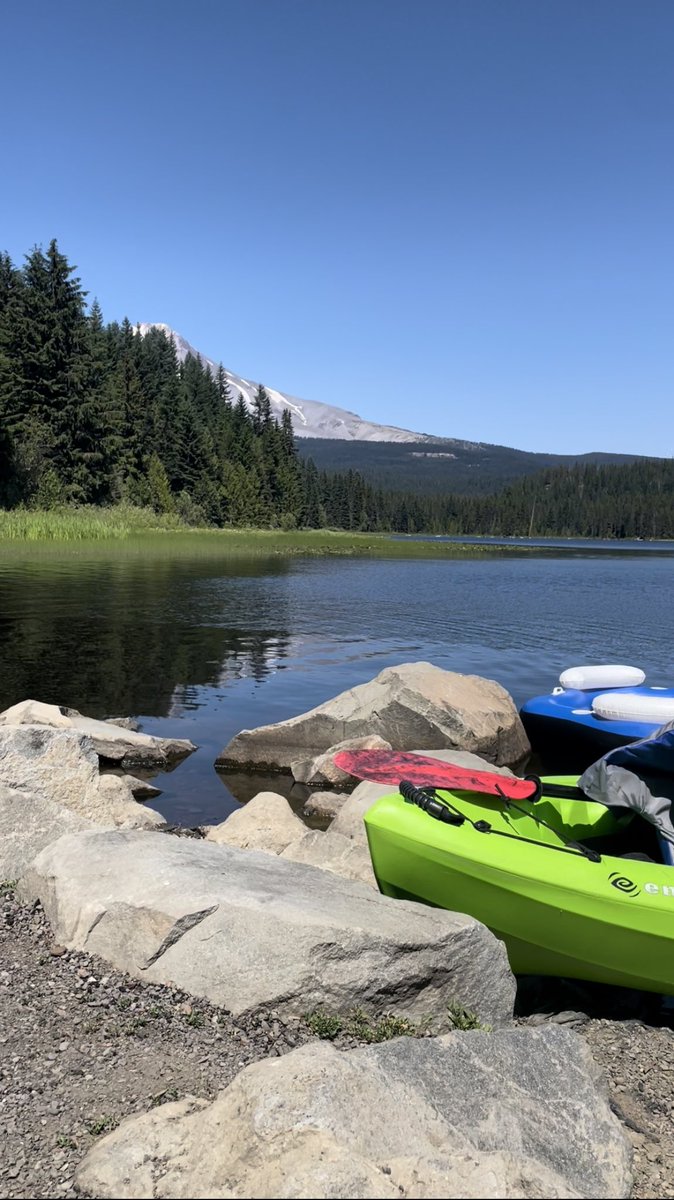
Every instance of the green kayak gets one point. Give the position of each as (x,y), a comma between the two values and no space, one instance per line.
(573,888)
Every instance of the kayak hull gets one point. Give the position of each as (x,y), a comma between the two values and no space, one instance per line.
(557,912)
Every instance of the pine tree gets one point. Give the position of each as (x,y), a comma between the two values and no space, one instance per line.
(11,286)
(161,497)
(130,414)
(262,417)
(224,389)
(93,440)
(313,515)
(10,482)
(289,476)
(42,391)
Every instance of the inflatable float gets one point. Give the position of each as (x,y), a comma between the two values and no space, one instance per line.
(597,708)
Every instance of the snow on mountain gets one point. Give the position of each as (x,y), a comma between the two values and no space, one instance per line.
(311,419)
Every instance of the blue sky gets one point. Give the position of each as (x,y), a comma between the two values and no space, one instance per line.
(452,215)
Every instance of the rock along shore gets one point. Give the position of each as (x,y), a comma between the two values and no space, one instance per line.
(179,986)
(83,1047)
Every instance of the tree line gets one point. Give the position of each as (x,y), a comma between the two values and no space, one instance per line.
(593,500)
(93,413)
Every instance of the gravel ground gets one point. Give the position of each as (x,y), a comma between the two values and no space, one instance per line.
(82,1046)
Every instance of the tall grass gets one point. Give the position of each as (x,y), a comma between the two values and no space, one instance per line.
(135,532)
(82,524)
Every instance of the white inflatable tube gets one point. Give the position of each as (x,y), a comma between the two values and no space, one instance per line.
(621,706)
(590,678)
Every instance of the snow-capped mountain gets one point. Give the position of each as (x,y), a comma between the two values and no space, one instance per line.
(311,419)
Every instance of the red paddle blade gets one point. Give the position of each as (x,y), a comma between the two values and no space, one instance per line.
(390,766)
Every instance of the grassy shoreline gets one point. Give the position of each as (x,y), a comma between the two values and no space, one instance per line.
(74,531)
(80,532)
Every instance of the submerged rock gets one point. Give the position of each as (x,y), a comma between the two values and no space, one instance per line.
(324,804)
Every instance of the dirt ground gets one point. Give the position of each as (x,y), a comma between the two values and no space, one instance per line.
(83,1046)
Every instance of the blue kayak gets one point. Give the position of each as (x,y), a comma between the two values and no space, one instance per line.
(566,716)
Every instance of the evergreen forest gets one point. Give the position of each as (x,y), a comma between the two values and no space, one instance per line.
(94,414)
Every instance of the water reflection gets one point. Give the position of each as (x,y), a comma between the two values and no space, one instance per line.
(202,648)
(118,638)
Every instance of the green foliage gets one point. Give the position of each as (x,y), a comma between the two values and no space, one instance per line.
(463,1019)
(324,1025)
(388,1026)
(195,1019)
(134,1025)
(440,468)
(593,500)
(358,1024)
(81,524)
(159,489)
(65,1142)
(49,490)
(96,415)
(159,1012)
(101,1125)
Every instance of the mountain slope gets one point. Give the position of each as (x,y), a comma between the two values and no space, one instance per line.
(389,457)
(310,418)
(429,469)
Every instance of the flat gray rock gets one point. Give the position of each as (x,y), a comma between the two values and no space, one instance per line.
(517,1113)
(333,852)
(114,742)
(250,930)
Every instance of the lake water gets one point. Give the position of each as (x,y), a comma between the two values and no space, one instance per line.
(201,648)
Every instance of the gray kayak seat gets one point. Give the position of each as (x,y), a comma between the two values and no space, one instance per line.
(640,777)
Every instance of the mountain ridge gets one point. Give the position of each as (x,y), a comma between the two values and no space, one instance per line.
(390,457)
(311,418)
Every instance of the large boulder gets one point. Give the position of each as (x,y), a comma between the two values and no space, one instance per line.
(412,705)
(28,825)
(250,930)
(333,852)
(509,1114)
(115,743)
(349,820)
(267,822)
(60,767)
